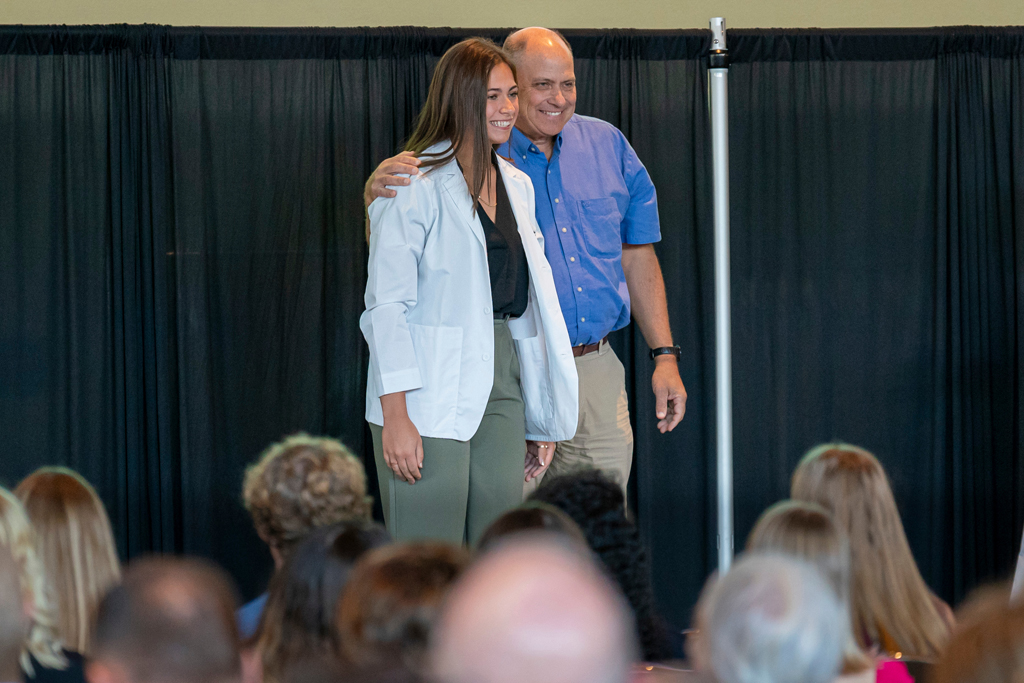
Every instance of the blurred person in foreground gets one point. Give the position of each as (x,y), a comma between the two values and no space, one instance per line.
(386,614)
(893,610)
(808,532)
(42,657)
(771,619)
(298,622)
(15,618)
(597,505)
(170,621)
(298,485)
(534,609)
(75,543)
(987,645)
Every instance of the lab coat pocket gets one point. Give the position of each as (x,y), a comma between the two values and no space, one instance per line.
(433,406)
(534,369)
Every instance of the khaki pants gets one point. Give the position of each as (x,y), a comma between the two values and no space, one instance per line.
(604,437)
(465,485)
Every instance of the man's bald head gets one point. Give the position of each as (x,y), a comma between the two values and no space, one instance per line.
(171,620)
(535,38)
(547,83)
(534,610)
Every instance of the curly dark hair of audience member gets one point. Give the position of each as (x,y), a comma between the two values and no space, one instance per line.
(388,608)
(531,516)
(298,622)
(597,505)
(303,483)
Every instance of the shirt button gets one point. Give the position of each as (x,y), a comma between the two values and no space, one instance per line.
(564,229)
(549,172)
(556,200)
(572,258)
(583,320)
(486,356)
(524,157)
(579,289)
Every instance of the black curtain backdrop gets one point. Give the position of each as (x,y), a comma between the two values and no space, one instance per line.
(182,266)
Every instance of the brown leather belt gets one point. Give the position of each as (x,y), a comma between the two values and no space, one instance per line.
(584,349)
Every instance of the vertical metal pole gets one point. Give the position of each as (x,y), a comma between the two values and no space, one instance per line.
(718,69)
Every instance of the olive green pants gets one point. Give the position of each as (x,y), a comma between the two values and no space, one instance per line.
(465,485)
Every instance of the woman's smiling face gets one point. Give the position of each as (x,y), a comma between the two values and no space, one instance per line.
(502,104)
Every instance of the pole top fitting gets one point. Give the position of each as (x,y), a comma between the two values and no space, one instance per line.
(718,34)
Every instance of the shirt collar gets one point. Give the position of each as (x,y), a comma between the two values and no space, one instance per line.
(521,145)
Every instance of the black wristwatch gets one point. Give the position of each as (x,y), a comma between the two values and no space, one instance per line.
(664,351)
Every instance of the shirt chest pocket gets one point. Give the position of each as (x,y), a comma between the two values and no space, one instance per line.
(602,224)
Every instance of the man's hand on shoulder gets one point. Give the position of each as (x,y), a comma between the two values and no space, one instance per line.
(669,393)
(386,174)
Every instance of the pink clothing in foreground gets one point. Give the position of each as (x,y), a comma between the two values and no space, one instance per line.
(891,671)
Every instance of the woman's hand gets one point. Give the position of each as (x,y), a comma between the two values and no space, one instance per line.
(402,445)
(539,455)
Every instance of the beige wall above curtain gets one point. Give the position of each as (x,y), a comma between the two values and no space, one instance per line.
(476,13)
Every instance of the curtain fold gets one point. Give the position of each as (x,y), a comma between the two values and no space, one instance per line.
(182,264)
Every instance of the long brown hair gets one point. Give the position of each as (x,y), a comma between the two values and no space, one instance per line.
(76,546)
(807,531)
(456,108)
(891,604)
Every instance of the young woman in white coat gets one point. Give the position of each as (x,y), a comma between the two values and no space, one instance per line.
(469,355)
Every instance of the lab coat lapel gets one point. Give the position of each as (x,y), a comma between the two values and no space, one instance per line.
(458,195)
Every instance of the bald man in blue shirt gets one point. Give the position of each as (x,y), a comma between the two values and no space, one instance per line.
(598,211)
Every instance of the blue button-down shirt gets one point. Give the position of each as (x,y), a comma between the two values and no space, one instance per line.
(592,196)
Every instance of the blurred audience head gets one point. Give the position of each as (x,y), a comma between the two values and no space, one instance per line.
(597,505)
(890,604)
(987,645)
(75,544)
(18,538)
(534,608)
(300,484)
(298,622)
(531,516)
(808,532)
(771,619)
(387,611)
(171,620)
(15,619)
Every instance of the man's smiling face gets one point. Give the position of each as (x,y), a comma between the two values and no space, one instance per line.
(547,87)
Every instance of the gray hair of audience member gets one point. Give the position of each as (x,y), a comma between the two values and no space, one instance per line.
(14,622)
(771,619)
(170,621)
(534,608)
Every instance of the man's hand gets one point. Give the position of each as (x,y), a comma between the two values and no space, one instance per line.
(669,393)
(377,184)
(539,455)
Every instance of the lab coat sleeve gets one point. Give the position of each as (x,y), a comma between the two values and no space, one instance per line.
(399,228)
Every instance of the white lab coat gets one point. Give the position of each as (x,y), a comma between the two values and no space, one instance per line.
(429,319)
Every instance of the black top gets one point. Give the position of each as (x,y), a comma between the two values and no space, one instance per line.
(506,258)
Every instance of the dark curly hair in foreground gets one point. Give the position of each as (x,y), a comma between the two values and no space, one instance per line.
(597,505)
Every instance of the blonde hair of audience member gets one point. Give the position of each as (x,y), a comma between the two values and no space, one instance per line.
(75,544)
(771,618)
(807,531)
(387,610)
(16,535)
(14,618)
(891,605)
(300,484)
(534,608)
(987,645)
